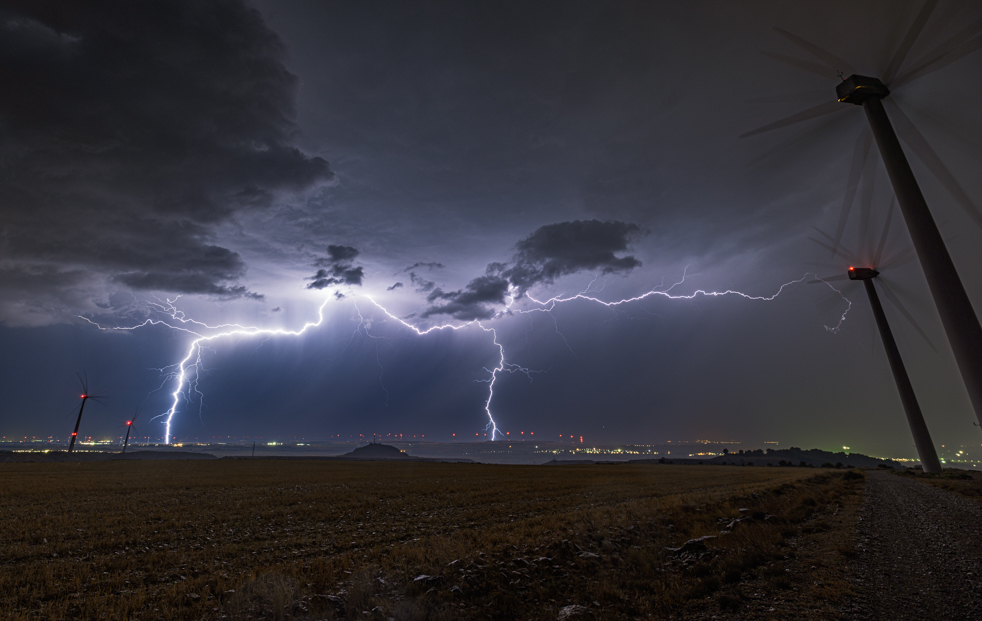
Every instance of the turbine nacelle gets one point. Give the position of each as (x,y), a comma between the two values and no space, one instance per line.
(862,273)
(856,89)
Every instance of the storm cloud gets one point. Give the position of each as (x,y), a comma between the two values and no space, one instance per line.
(336,269)
(129,131)
(565,248)
(475,301)
(550,252)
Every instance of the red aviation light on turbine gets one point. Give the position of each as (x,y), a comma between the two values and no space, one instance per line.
(128,423)
(862,273)
(83,396)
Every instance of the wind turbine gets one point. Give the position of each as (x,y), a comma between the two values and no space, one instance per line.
(129,426)
(958,317)
(83,381)
(873,257)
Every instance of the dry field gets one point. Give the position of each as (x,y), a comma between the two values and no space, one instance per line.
(278,539)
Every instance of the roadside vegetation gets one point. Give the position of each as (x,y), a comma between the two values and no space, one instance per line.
(964,482)
(279,539)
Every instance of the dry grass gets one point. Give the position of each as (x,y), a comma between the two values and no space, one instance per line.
(307,539)
(964,482)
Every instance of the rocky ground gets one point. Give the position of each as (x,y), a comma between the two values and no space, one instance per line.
(919,553)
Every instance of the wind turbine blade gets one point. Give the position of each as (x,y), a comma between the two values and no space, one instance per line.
(821,109)
(848,256)
(908,41)
(919,145)
(824,279)
(902,257)
(959,45)
(859,155)
(801,97)
(804,65)
(865,213)
(890,295)
(830,59)
(883,236)
(797,142)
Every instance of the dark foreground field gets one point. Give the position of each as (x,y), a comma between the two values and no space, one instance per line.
(327,540)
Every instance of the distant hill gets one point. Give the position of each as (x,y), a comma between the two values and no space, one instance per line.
(376,452)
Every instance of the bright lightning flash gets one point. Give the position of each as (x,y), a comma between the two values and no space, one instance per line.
(186,373)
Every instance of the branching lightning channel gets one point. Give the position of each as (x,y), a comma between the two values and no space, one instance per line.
(546,306)
(186,373)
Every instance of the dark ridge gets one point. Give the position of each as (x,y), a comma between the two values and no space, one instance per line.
(376,451)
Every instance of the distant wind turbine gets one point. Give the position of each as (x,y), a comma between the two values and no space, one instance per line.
(83,381)
(129,426)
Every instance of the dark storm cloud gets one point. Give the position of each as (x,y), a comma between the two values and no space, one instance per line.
(421,284)
(475,301)
(431,265)
(394,287)
(552,251)
(336,269)
(128,130)
(565,248)
(341,253)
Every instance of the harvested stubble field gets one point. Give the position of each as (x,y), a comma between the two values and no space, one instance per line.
(253,539)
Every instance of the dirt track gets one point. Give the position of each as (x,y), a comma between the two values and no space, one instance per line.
(920,553)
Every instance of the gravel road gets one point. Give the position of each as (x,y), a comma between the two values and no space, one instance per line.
(920,553)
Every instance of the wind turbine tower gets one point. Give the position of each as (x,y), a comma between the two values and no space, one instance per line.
(960,322)
(918,428)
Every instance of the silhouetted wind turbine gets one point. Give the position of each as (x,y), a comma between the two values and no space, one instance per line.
(83,381)
(915,418)
(960,321)
(129,426)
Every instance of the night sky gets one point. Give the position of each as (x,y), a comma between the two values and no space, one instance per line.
(250,163)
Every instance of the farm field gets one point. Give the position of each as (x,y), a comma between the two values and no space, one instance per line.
(278,539)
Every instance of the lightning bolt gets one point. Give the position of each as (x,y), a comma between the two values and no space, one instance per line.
(186,373)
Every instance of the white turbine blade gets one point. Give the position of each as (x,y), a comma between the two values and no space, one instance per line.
(958,46)
(908,41)
(804,65)
(830,59)
(797,142)
(883,236)
(823,279)
(801,97)
(814,112)
(865,213)
(859,155)
(890,295)
(901,257)
(919,145)
(845,254)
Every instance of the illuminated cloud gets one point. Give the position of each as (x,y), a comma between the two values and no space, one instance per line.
(336,269)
